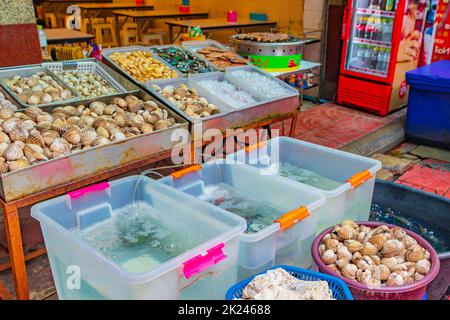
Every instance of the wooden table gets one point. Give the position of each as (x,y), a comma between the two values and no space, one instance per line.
(62,36)
(145,17)
(215,24)
(94,10)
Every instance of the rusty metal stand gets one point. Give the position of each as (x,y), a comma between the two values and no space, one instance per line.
(11,214)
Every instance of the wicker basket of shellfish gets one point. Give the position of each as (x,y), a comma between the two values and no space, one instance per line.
(377,261)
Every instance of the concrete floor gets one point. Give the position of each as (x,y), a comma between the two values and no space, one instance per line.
(327,124)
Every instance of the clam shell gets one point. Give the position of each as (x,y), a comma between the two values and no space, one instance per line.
(49,136)
(6,114)
(418,276)
(3,147)
(398,233)
(120,102)
(349,223)
(322,249)
(98,107)
(353,245)
(14,151)
(118,136)
(329,257)
(391,263)
(44,125)
(18,164)
(363,275)
(393,248)
(34,153)
(343,252)
(162,124)
(356,257)
(99,122)
(331,244)
(3,165)
(73,121)
(102,132)
(349,271)
(146,128)
(333,268)
(395,279)
(369,249)
(70,111)
(27,125)
(423,266)
(110,109)
(120,120)
(415,253)
(135,106)
(150,106)
(409,241)
(340,263)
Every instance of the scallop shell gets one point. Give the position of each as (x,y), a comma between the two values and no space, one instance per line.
(44,125)
(362,264)
(376,259)
(349,223)
(345,232)
(353,245)
(6,114)
(73,121)
(418,276)
(356,257)
(362,237)
(99,122)
(135,106)
(343,252)
(118,136)
(60,146)
(395,279)
(391,263)
(47,152)
(329,257)
(150,106)
(342,262)
(73,136)
(134,120)
(162,124)
(35,137)
(423,266)
(120,120)
(146,128)
(44,117)
(110,109)
(349,271)
(49,136)
(393,248)
(98,107)
(34,153)
(331,244)
(381,272)
(8,125)
(100,141)
(369,249)
(152,119)
(4,138)
(398,233)
(414,253)
(88,137)
(426,254)
(18,164)
(27,125)
(409,241)
(3,165)
(70,111)
(120,102)
(14,151)
(378,240)
(363,275)
(102,132)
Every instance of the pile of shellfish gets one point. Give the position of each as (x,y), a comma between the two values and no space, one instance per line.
(88,84)
(380,256)
(34,135)
(188,100)
(40,88)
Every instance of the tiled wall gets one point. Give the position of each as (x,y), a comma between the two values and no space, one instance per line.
(16,12)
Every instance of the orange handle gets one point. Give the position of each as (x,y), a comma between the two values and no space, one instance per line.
(255,146)
(289,219)
(181,173)
(359,178)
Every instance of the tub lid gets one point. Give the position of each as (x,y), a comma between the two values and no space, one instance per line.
(435,74)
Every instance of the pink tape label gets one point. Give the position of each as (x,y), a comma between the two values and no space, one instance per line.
(201,263)
(94,188)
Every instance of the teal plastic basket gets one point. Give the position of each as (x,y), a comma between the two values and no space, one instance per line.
(339,289)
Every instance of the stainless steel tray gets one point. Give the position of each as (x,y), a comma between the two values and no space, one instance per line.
(28,71)
(91,65)
(194,46)
(45,175)
(107,52)
(209,64)
(230,118)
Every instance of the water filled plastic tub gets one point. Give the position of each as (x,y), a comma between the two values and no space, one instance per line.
(346,180)
(136,239)
(281,215)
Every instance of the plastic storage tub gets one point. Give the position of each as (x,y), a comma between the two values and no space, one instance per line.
(338,287)
(428,119)
(413,291)
(286,235)
(206,264)
(346,180)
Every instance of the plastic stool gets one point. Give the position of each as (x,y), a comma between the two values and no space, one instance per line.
(147,38)
(100,28)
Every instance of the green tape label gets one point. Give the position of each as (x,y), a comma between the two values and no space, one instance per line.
(276,62)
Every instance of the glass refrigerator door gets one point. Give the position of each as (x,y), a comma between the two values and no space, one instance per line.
(370,41)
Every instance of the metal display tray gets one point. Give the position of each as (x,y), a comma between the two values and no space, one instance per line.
(194,55)
(115,80)
(268,48)
(45,175)
(194,46)
(107,52)
(230,118)
(28,71)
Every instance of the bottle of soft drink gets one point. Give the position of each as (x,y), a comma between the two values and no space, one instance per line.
(387,58)
(386,29)
(374,58)
(390,5)
(376,30)
(369,27)
(382,4)
(381,58)
(368,52)
(43,41)
(362,30)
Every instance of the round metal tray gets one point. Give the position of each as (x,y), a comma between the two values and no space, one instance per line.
(268,48)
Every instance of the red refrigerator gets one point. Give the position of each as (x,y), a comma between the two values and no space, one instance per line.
(382,41)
